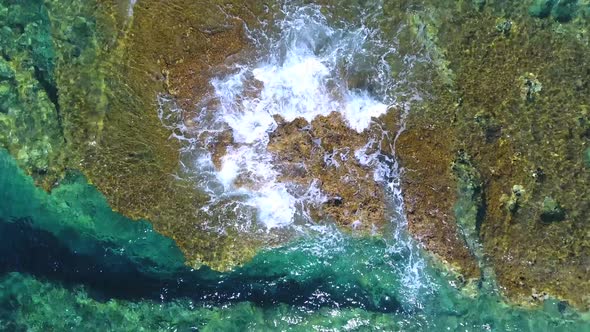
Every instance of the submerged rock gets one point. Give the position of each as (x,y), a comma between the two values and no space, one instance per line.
(538,146)
(552,210)
(30,120)
(530,86)
(561,10)
(515,200)
(541,8)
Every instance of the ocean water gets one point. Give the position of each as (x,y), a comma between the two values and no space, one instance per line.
(69,262)
(115,274)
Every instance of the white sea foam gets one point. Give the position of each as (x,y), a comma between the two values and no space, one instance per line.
(130,7)
(276,206)
(302,71)
(301,76)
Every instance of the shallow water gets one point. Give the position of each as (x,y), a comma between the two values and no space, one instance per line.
(69,262)
(120,275)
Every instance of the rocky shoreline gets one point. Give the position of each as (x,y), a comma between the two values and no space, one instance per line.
(495,157)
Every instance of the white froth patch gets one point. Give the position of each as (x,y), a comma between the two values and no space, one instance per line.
(275,205)
(301,77)
(247,161)
(130,8)
(229,172)
(250,126)
(360,109)
(295,89)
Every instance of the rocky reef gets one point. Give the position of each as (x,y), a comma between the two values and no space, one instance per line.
(495,156)
(80,81)
(324,151)
(513,95)
(30,120)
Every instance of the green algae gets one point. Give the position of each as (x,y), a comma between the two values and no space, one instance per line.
(77,210)
(30,123)
(514,106)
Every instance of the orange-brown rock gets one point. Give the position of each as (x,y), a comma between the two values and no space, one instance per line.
(430,193)
(323,151)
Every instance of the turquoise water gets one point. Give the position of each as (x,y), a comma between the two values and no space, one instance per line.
(68,262)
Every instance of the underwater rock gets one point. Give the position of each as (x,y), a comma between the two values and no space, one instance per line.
(30,124)
(560,10)
(515,200)
(6,72)
(564,10)
(538,148)
(504,27)
(530,86)
(541,8)
(479,4)
(552,210)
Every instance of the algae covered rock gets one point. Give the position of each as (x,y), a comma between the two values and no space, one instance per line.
(30,122)
(469,206)
(430,195)
(323,151)
(515,200)
(519,117)
(530,87)
(79,82)
(552,210)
